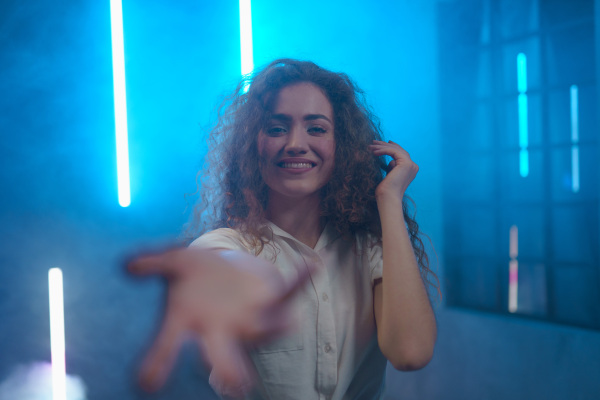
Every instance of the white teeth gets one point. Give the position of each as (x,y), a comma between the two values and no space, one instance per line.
(296,165)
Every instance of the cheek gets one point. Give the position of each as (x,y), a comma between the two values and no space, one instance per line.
(267,147)
(260,145)
(332,158)
(327,151)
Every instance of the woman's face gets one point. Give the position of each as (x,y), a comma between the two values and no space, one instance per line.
(297,146)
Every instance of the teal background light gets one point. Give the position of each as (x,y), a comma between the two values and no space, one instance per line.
(60,183)
(574,95)
(523,115)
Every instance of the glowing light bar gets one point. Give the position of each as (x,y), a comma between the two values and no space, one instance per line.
(522,72)
(513,269)
(523,121)
(513,242)
(575,168)
(574,114)
(57,334)
(120,100)
(524,162)
(246,37)
(523,115)
(574,138)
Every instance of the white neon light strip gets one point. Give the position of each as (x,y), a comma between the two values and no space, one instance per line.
(246,37)
(513,269)
(57,334)
(523,115)
(575,138)
(120,100)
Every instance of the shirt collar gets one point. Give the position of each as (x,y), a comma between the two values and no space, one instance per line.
(328,235)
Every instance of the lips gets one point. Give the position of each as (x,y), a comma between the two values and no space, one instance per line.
(296,164)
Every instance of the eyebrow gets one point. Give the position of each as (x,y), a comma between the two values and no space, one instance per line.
(308,117)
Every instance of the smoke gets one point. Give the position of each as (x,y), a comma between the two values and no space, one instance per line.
(34,382)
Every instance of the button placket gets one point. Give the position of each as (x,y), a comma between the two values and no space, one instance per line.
(326,359)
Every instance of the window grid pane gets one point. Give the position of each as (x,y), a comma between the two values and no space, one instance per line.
(555,205)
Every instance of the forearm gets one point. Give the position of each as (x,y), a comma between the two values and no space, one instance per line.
(406,325)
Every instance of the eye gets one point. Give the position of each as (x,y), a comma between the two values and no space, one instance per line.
(316,130)
(276,131)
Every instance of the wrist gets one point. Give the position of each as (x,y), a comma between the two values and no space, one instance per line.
(389,196)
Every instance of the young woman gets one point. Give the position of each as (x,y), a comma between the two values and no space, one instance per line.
(310,225)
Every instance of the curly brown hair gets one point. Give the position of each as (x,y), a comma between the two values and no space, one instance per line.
(234,194)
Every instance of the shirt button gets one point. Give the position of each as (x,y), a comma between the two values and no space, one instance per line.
(327,348)
(325,297)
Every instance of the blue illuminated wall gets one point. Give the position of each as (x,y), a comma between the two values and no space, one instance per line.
(60,203)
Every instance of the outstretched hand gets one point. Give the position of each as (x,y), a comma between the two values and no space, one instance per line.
(401,169)
(223,299)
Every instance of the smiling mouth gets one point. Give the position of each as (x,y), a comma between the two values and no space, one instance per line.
(295,165)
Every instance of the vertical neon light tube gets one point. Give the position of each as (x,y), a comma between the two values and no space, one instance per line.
(523,115)
(246,37)
(574,138)
(513,269)
(118,53)
(57,334)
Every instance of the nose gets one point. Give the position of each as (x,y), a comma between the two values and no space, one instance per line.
(297,142)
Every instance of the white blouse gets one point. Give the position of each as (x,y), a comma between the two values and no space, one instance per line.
(334,353)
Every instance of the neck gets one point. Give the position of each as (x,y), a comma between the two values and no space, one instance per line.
(299,217)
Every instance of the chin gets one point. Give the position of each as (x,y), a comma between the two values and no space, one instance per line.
(297,192)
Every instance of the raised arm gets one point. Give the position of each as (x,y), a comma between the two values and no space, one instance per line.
(223,299)
(406,326)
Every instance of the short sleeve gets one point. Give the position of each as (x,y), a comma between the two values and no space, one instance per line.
(223,238)
(375,256)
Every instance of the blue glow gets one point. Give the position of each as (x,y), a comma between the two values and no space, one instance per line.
(246,37)
(574,114)
(575,138)
(523,114)
(524,162)
(120,100)
(523,121)
(575,168)
(522,72)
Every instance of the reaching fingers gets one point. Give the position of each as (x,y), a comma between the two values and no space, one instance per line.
(165,263)
(231,370)
(161,357)
(275,317)
(278,314)
(291,288)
